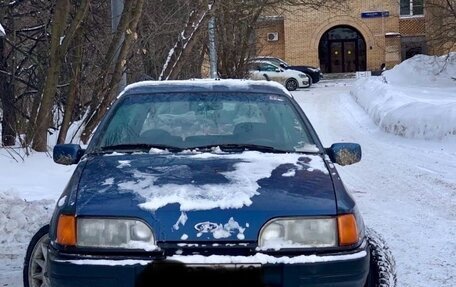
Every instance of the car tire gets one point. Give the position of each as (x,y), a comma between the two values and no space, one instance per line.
(382,269)
(34,273)
(291,84)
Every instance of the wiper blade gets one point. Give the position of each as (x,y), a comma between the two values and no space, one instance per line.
(236,147)
(139,146)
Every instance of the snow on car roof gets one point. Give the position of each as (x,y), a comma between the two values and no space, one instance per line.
(204,85)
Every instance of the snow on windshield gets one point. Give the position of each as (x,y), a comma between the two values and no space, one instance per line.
(242,182)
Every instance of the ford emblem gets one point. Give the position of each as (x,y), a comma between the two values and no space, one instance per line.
(205,227)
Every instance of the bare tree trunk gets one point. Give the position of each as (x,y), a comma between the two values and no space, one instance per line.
(74,90)
(45,111)
(57,51)
(7,99)
(110,91)
(105,70)
(196,23)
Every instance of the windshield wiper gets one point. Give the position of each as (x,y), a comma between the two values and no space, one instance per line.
(241,147)
(138,147)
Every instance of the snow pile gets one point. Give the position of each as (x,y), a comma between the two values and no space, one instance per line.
(20,219)
(29,188)
(32,177)
(423,70)
(416,99)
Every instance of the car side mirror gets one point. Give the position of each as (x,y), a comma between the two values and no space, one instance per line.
(278,70)
(344,153)
(67,154)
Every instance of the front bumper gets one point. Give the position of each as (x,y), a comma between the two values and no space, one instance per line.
(303,82)
(348,269)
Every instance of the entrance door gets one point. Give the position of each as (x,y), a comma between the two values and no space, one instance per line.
(350,56)
(342,49)
(336,57)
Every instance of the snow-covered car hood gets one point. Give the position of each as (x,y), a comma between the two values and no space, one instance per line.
(205,196)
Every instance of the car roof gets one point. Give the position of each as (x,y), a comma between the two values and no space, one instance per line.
(262,61)
(267,58)
(205,85)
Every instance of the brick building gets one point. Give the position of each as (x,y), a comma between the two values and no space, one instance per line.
(362,37)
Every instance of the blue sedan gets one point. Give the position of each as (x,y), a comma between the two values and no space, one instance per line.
(207,182)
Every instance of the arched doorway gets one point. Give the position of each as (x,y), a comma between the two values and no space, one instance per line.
(342,49)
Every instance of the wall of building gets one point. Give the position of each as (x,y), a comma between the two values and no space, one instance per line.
(265,46)
(303,29)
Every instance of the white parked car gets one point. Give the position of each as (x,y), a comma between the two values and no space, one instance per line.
(291,79)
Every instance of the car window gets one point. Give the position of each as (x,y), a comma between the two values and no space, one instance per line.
(267,67)
(276,61)
(187,120)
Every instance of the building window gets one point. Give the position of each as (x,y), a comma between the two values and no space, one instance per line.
(412,7)
(411,46)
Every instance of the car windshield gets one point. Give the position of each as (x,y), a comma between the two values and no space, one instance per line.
(178,121)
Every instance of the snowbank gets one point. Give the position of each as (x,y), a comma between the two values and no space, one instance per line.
(34,177)
(20,219)
(416,99)
(423,70)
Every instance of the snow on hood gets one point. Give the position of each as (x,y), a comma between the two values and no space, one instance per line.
(242,182)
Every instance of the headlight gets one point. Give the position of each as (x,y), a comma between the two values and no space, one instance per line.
(315,70)
(299,233)
(114,233)
(302,76)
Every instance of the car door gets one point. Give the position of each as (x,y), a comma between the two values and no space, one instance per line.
(273,72)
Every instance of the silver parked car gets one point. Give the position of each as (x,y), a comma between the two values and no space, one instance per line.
(291,79)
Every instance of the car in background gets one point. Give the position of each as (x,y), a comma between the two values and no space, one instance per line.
(291,79)
(314,73)
(206,183)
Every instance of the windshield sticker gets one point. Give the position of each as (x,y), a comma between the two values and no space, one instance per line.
(276,98)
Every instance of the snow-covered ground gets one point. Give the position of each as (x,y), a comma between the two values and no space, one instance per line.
(405,188)
(28,190)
